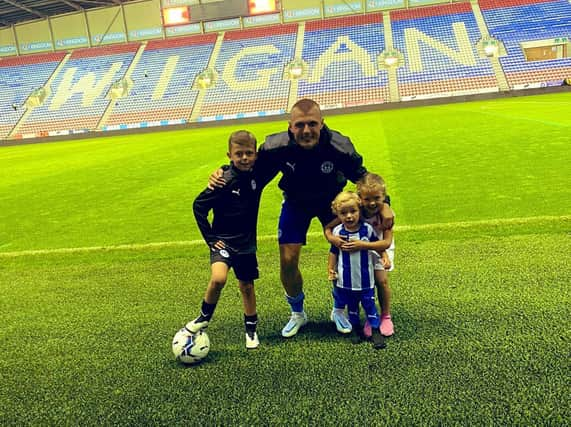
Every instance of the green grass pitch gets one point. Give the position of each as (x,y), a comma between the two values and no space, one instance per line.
(101,262)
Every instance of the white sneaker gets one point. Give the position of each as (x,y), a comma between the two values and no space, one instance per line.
(341,322)
(252,340)
(197,324)
(296,321)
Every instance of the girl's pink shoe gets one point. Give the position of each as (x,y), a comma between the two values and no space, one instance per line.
(367,331)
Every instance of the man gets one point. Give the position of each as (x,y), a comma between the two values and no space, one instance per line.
(315,163)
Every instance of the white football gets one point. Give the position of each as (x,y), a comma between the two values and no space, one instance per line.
(190,348)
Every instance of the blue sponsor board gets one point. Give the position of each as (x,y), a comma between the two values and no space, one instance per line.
(76,41)
(295,14)
(145,33)
(35,47)
(250,21)
(225,24)
(338,9)
(176,3)
(183,29)
(7,49)
(422,2)
(384,4)
(111,37)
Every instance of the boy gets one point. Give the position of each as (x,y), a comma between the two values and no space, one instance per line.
(232,235)
(351,269)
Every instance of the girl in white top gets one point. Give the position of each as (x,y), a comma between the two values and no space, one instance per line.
(372,192)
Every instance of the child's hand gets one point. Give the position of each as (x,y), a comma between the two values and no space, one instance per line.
(353,246)
(332,275)
(219,245)
(336,241)
(386,261)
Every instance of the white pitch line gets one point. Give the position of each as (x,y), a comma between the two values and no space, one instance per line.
(187,243)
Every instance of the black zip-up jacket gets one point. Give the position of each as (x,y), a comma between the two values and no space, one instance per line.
(235,207)
(310,178)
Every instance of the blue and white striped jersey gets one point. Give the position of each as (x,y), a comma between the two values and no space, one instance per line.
(355,269)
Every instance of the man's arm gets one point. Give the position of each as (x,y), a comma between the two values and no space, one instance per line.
(216,180)
(353,167)
(388,216)
(267,165)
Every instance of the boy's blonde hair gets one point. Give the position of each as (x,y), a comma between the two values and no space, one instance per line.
(242,138)
(372,182)
(342,198)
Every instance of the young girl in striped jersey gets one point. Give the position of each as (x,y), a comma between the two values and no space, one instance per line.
(351,267)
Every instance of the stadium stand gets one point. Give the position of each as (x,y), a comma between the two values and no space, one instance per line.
(80,91)
(19,76)
(162,83)
(342,57)
(250,66)
(338,62)
(517,21)
(441,57)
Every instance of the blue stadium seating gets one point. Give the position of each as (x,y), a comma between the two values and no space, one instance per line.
(254,61)
(438,73)
(17,81)
(349,47)
(525,23)
(79,93)
(162,84)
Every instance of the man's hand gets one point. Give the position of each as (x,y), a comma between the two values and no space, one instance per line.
(388,216)
(215,180)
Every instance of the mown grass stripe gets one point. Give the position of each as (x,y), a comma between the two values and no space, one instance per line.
(398,229)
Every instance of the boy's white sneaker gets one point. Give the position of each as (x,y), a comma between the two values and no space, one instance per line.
(341,322)
(197,324)
(296,321)
(252,340)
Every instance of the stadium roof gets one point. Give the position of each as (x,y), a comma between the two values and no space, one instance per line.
(18,11)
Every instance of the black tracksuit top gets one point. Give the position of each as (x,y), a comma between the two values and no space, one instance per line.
(235,208)
(311,177)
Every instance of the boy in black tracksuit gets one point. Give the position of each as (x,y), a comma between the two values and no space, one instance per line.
(232,235)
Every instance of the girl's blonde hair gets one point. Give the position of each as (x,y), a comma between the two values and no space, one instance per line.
(372,182)
(342,198)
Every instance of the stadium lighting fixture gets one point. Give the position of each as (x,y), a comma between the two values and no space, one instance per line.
(37,97)
(491,50)
(206,79)
(391,58)
(120,88)
(490,47)
(295,70)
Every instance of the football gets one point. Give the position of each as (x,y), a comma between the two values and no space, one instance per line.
(190,348)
